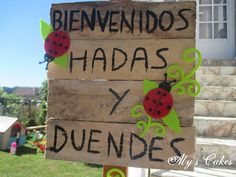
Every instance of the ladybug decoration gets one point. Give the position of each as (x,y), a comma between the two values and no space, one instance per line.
(159,102)
(56,44)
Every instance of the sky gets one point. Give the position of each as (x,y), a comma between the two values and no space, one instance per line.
(21,45)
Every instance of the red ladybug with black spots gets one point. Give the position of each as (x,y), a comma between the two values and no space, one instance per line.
(159,102)
(56,44)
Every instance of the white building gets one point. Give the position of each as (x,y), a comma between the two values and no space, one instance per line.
(216,28)
(215,31)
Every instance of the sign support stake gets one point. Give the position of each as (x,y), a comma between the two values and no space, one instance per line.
(114,171)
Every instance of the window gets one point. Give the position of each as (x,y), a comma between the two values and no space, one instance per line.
(213,19)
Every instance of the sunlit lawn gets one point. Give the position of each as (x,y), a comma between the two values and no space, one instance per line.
(29,163)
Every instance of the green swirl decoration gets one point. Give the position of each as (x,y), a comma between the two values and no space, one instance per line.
(118,172)
(185,82)
(138,112)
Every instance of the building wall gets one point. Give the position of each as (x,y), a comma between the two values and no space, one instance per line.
(6,137)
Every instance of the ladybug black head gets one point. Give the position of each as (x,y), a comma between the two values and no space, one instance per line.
(166,85)
(48,59)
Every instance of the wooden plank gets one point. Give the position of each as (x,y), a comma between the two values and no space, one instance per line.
(169,51)
(107,169)
(92,101)
(35,127)
(183,15)
(98,145)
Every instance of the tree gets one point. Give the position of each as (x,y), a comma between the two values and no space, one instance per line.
(20,107)
(43,105)
(10,104)
(1,91)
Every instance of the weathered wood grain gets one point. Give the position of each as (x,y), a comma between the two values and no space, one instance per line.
(128,7)
(92,101)
(156,65)
(95,147)
(80,99)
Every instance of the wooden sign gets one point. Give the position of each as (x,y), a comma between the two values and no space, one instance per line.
(117,144)
(70,98)
(122,59)
(120,54)
(125,20)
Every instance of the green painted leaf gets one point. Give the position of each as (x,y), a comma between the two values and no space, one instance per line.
(62,61)
(172,121)
(45,29)
(149,85)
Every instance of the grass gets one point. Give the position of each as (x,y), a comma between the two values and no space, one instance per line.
(28,163)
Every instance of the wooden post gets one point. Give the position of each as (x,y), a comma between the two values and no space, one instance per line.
(114,171)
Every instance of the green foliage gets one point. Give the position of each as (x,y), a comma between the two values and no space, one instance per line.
(1,91)
(43,104)
(9,104)
(16,106)
(28,122)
